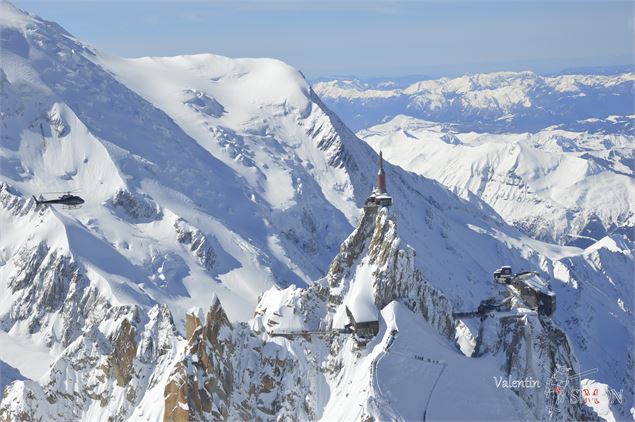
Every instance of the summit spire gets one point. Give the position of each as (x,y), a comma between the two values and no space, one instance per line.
(379,195)
(381,177)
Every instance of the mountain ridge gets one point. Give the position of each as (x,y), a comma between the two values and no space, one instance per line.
(499,102)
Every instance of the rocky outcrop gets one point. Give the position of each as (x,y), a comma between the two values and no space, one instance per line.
(124,349)
(200,383)
(13,203)
(200,246)
(397,277)
(176,400)
(105,373)
(203,103)
(533,347)
(56,122)
(47,285)
(394,272)
(328,128)
(140,208)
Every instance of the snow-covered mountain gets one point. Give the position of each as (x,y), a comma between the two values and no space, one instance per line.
(221,195)
(559,186)
(492,102)
(130,361)
(553,155)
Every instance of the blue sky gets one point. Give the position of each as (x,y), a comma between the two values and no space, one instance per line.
(362,38)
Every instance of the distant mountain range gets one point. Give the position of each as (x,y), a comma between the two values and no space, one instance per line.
(492,102)
(402,81)
(560,186)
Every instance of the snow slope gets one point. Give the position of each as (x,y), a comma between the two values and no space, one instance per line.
(141,174)
(428,358)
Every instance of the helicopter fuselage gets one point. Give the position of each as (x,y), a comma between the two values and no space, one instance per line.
(70,200)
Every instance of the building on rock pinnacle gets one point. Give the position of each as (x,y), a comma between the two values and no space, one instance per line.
(379,197)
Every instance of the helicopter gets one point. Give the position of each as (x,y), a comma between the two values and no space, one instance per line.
(71,201)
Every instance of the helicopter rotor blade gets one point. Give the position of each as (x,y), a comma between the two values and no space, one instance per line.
(62,191)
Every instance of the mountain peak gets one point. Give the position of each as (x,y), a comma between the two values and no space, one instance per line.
(12,17)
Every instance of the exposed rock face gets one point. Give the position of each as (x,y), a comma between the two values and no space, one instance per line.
(278,147)
(395,276)
(107,372)
(201,381)
(330,137)
(139,207)
(176,400)
(374,243)
(16,205)
(197,243)
(45,283)
(203,103)
(124,352)
(118,360)
(57,122)
(533,347)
